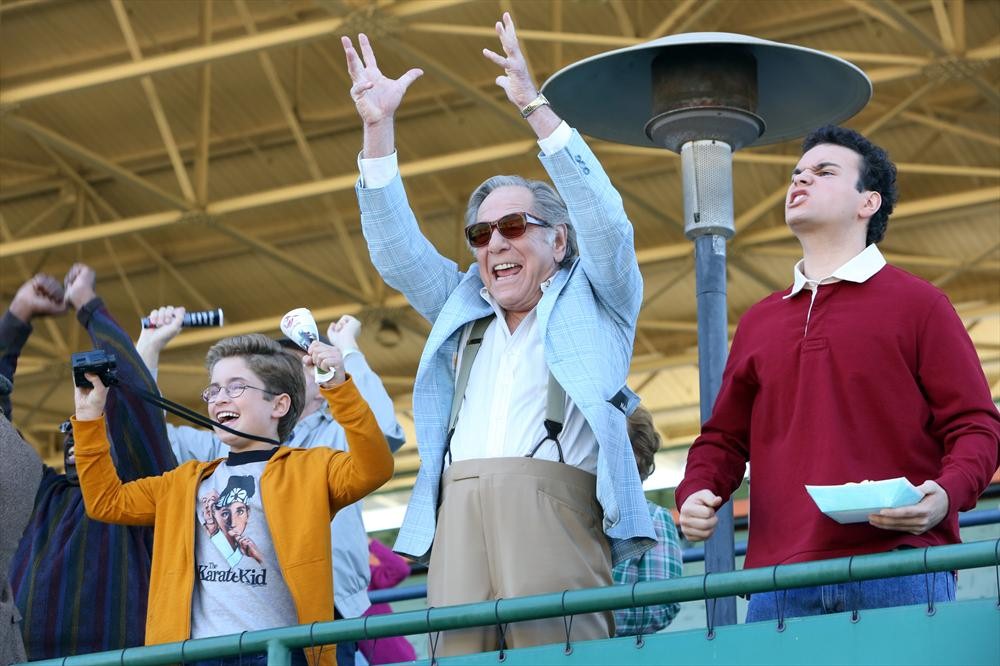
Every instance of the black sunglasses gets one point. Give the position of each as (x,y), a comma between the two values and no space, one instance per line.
(511,225)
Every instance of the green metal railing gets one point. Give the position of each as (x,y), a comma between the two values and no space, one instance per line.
(277,642)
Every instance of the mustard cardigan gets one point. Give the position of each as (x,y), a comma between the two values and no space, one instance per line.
(301,490)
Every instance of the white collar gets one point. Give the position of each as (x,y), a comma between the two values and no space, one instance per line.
(858,269)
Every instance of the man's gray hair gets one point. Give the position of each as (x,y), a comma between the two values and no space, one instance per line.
(548,206)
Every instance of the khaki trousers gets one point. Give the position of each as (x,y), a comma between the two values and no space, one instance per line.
(512,527)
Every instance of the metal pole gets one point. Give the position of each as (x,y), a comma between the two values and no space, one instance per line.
(278,654)
(713,337)
(706,168)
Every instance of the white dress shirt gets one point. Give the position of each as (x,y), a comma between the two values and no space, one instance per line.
(504,409)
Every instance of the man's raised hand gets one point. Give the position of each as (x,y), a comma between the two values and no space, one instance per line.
(516,80)
(42,295)
(326,357)
(375,95)
(80,283)
(343,333)
(165,324)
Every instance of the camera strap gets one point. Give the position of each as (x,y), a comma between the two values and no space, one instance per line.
(189,414)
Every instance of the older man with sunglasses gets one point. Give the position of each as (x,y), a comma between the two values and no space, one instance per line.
(527,481)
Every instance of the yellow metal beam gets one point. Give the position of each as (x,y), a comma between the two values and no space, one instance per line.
(312,164)
(703,7)
(204,133)
(113,214)
(943,21)
(894,112)
(625,25)
(320,275)
(155,105)
(958,24)
(296,34)
(609,41)
(60,143)
(662,362)
(197,56)
(666,26)
(262,199)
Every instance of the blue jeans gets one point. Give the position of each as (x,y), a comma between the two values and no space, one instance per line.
(860,595)
(345,657)
(260,659)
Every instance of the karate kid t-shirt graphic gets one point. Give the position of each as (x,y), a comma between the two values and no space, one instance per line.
(226,518)
(238,583)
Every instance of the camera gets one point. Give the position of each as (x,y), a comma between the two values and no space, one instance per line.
(97,362)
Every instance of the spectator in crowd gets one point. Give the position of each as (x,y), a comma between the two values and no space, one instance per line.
(80,584)
(20,472)
(388,570)
(198,588)
(663,560)
(553,297)
(316,427)
(859,371)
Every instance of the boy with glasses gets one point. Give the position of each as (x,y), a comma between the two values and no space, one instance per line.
(315,427)
(261,550)
(553,326)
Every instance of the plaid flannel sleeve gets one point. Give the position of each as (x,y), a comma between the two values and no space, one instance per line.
(660,562)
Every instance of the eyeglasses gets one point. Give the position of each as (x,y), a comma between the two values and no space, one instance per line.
(511,225)
(232,389)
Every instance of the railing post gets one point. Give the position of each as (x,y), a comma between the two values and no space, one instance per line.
(278,654)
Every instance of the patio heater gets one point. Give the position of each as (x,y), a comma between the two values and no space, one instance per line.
(704,96)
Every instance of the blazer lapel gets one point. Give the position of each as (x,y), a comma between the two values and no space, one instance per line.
(464,305)
(551,294)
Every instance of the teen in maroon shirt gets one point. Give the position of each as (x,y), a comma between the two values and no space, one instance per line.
(860,371)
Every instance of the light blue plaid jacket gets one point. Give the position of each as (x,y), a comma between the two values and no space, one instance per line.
(587,321)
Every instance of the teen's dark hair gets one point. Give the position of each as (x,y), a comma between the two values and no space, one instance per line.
(877,173)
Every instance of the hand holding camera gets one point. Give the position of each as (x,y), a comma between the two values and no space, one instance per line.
(90,401)
(93,372)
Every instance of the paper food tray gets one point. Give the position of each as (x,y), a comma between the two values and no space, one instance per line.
(854,502)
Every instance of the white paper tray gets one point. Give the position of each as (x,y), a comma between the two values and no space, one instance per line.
(854,502)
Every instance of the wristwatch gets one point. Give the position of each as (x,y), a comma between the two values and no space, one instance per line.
(533,105)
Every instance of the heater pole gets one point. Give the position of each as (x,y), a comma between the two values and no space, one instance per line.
(713,335)
(706,172)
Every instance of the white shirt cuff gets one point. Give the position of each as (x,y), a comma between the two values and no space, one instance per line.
(378,171)
(556,141)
